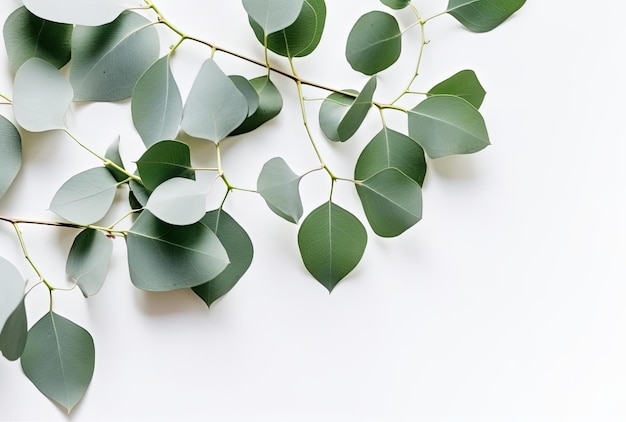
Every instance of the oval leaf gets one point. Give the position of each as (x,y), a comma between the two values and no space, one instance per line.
(483,15)
(27,36)
(101,66)
(178,201)
(10,154)
(14,334)
(165,257)
(374,43)
(88,261)
(164,160)
(396,4)
(279,186)
(59,359)
(445,125)
(83,12)
(270,104)
(157,107)
(392,202)
(273,15)
(41,96)
(11,290)
(245,87)
(332,242)
(463,84)
(86,197)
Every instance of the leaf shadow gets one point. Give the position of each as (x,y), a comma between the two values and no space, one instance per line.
(453,167)
(168,303)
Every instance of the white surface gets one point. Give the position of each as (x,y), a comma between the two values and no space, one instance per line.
(506,303)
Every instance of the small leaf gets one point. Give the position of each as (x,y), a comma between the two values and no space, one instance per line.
(11,289)
(164,160)
(83,12)
(240,252)
(88,261)
(27,36)
(14,334)
(178,201)
(113,154)
(396,4)
(59,359)
(10,154)
(273,15)
(86,197)
(392,202)
(483,15)
(279,186)
(165,257)
(332,242)
(138,195)
(374,43)
(108,60)
(445,125)
(270,104)
(41,96)
(463,84)
(245,87)
(214,107)
(157,107)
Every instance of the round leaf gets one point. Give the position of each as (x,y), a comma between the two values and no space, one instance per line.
(270,104)
(162,161)
(273,15)
(483,15)
(279,186)
(14,334)
(10,154)
(11,289)
(396,4)
(88,261)
(463,84)
(83,12)
(374,43)
(178,201)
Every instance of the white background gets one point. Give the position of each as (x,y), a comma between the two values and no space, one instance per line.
(505,303)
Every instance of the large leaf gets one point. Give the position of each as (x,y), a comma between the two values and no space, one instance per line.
(11,289)
(86,197)
(59,359)
(14,333)
(164,160)
(374,43)
(396,4)
(41,96)
(332,242)
(270,104)
(157,107)
(279,186)
(391,149)
(240,252)
(483,15)
(178,201)
(301,37)
(165,257)
(108,60)
(273,15)
(83,12)
(445,125)
(10,154)
(392,201)
(214,107)
(88,261)
(463,84)
(27,36)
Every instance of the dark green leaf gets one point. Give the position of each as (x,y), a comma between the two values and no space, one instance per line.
(463,84)
(88,261)
(138,195)
(248,91)
(83,12)
(113,154)
(374,43)
(270,104)
(162,161)
(279,186)
(396,4)
(483,15)
(10,154)
(11,289)
(14,334)
(273,15)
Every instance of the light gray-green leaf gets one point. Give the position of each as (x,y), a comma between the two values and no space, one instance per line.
(273,15)
(88,261)
(179,201)
(279,186)
(113,154)
(10,154)
(248,91)
(374,43)
(11,289)
(14,334)
(83,12)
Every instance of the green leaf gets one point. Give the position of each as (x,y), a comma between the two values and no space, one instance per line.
(88,261)
(374,43)
(273,15)
(27,36)
(178,201)
(396,4)
(445,125)
(11,289)
(113,154)
(157,107)
(83,12)
(165,257)
(300,38)
(463,84)
(245,87)
(279,186)
(59,359)
(138,195)
(332,242)
(483,15)
(41,96)
(14,334)
(391,149)
(10,154)
(270,104)
(108,60)
(86,197)
(214,107)
(164,160)
(392,202)
(240,252)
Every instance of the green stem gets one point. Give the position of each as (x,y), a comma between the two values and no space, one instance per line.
(20,238)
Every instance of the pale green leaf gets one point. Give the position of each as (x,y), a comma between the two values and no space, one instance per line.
(396,4)
(10,154)
(273,15)
(113,154)
(374,43)
(88,261)
(14,333)
(248,91)
(11,289)
(483,15)
(270,104)
(463,84)
(79,12)
(178,201)
(162,161)
(279,187)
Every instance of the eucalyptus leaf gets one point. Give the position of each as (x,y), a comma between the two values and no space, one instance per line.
(27,36)
(463,84)
(138,195)
(164,257)
(14,333)
(374,43)
(164,160)
(88,261)
(240,252)
(10,154)
(86,197)
(392,202)
(108,60)
(41,96)
(59,359)
(279,187)
(248,91)
(445,125)
(11,289)
(273,15)
(113,154)
(483,15)
(178,201)
(214,107)
(396,4)
(332,242)
(270,105)
(83,12)
(157,106)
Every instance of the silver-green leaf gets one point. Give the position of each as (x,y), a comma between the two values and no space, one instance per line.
(279,186)
(374,43)
(14,333)
(10,154)
(79,12)
(11,289)
(88,261)
(179,201)
(273,15)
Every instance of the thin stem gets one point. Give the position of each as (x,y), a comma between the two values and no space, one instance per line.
(105,230)
(7,99)
(20,238)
